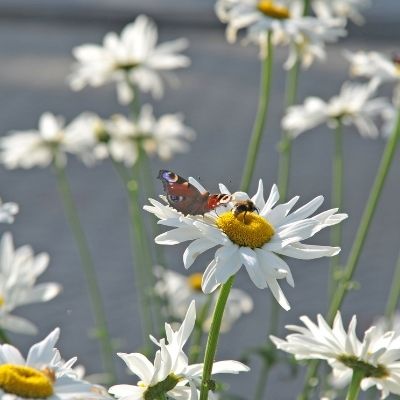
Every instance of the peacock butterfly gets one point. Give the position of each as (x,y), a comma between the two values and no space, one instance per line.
(186,198)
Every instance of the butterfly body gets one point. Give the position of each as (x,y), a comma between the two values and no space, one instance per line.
(186,198)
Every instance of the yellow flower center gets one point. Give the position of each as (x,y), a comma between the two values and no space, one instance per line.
(269,8)
(247,229)
(2,301)
(26,381)
(194,281)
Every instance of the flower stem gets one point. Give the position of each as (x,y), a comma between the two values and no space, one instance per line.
(354,388)
(261,385)
(129,186)
(394,295)
(4,338)
(259,124)
(285,147)
(88,270)
(213,335)
(366,219)
(336,200)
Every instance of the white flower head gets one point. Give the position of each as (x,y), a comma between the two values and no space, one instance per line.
(347,9)
(353,106)
(180,290)
(43,374)
(375,66)
(306,36)
(170,374)
(164,136)
(132,60)
(377,355)
(19,269)
(8,211)
(35,148)
(254,240)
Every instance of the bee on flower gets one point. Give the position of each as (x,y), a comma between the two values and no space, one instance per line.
(255,240)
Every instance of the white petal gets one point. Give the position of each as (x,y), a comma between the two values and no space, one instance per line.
(209,283)
(229,367)
(42,352)
(194,249)
(250,261)
(139,365)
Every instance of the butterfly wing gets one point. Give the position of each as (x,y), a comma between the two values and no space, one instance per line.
(186,198)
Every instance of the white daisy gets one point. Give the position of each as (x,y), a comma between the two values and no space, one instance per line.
(19,269)
(306,36)
(36,148)
(250,239)
(347,9)
(170,374)
(374,65)
(164,136)
(8,211)
(132,60)
(180,290)
(43,374)
(377,355)
(353,106)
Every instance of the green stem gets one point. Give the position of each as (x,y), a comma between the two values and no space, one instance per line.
(354,388)
(195,347)
(4,338)
(366,219)
(213,335)
(309,380)
(88,270)
(285,147)
(261,385)
(259,123)
(394,295)
(140,286)
(336,200)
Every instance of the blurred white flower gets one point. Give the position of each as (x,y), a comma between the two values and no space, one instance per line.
(164,136)
(377,355)
(170,374)
(353,106)
(35,148)
(8,211)
(132,60)
(346,9)
(374,65)
(19,269)
(249,239)
(43,374)
(180,290)
(306,36)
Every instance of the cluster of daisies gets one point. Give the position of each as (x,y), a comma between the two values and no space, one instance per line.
(260,242)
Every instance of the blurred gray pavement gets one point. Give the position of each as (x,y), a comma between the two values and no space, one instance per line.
(218,96)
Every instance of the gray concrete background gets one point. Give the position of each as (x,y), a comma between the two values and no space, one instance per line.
(218,96)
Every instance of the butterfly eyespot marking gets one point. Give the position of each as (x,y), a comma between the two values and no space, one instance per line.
(175,199)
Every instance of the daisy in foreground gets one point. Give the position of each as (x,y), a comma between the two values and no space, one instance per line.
(170,374)
(42,375)
(180,290)
(255,240)
(132,60)
(375,360)
(354,105)
(19,270)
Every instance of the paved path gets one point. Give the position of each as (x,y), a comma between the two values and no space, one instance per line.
(218,96)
